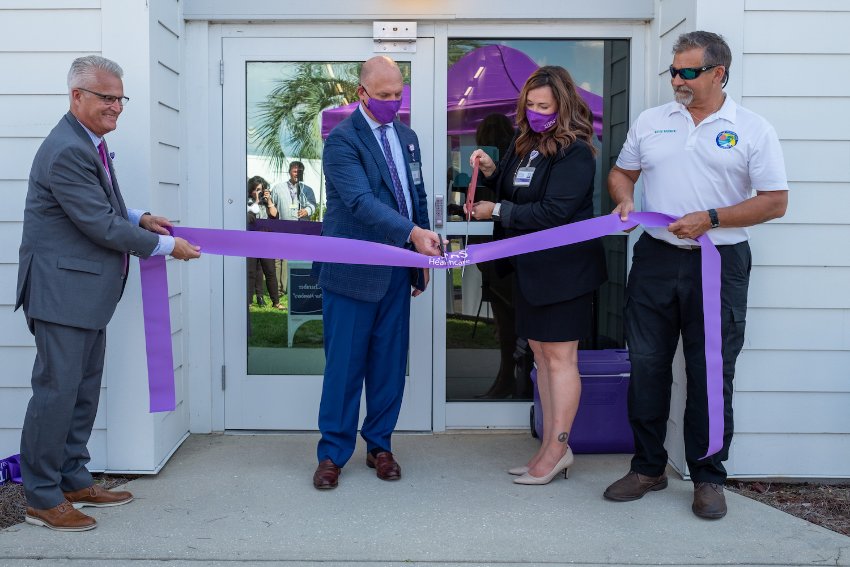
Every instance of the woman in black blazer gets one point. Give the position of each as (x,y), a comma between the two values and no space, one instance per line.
(543,181)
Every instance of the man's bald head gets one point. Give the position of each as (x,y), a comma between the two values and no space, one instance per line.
(380,80)
(379,68)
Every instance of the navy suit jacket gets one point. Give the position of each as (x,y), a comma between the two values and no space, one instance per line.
(362,204)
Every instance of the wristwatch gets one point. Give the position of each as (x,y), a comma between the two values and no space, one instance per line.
(712,216)
(496,210)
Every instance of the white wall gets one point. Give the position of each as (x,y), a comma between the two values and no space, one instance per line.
(33,97)
(791,388)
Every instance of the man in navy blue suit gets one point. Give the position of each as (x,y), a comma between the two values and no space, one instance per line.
(375,192)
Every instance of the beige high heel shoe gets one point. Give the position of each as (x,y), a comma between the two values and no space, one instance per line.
(518,471)
(563,465)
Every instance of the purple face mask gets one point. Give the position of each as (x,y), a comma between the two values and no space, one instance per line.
(540,122)
(384,111)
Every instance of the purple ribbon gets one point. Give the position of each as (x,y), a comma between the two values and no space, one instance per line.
(349,251)
(10,469)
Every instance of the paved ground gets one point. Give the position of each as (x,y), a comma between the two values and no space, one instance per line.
(226,499)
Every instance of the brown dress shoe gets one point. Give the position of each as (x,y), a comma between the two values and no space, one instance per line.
(62,518)
(633,486)
(326,475)
(98,497)
(709,501)
(385,465)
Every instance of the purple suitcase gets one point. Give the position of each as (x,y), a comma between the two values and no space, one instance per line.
(602,423)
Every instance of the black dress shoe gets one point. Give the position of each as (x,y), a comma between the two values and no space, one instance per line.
(261,302)
(326,475)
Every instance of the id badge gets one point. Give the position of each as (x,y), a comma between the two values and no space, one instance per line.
(523,176)
(416,172)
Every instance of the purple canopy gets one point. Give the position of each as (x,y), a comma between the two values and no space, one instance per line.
(489,79)
(485,80)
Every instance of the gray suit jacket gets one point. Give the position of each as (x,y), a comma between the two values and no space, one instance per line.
(76,234)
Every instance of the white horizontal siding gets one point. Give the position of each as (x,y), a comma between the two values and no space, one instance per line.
(798,329)
(799,5)
(822,34)
(168,163)
(16,157)
(52,76)
(791,455)
(24,30)
(10,236)
(166,122)
(817,160)
(793,74)
(805,118)
(13,193)
(13,328)
(8,283)
(794,287)
(17,365)
(793,371)
(30,116)
(776,244)
(798,412)
(814,202)
(49,4)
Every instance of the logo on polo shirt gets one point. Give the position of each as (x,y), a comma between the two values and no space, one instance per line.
(727,139)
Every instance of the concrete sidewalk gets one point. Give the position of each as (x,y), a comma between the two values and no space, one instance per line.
(248,499)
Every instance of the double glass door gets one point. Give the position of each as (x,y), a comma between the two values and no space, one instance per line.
(466,367)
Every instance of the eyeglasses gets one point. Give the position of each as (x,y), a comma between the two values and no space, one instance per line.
(690,73)
(108,100)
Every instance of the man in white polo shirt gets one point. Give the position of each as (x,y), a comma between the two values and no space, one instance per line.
(701,158)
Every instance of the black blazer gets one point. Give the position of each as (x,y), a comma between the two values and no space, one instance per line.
(561,192)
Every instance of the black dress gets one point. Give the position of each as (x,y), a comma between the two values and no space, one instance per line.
(553,288)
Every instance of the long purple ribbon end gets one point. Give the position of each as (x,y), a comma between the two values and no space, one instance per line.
(158,334)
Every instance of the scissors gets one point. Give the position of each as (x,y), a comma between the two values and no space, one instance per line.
(470,201)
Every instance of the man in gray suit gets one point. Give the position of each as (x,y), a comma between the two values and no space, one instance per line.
(73,267)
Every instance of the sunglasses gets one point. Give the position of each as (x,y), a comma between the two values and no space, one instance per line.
(690,73)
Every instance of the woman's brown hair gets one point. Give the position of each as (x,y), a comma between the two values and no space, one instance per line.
(575,122)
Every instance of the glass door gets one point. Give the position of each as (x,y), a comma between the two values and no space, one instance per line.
(486,366)
(281,98)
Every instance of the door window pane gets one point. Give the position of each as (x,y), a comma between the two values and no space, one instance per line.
(291,109)
(484,78)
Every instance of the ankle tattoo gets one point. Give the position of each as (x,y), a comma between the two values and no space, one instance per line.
(563,437)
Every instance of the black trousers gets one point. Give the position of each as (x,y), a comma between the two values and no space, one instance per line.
(256,268)
(664,300)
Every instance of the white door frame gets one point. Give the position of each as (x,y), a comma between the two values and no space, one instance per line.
(244,390)
(504,415)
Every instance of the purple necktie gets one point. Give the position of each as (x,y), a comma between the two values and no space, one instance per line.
(101,149)
(399,192)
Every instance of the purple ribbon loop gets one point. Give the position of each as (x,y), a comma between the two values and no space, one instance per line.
(309,247)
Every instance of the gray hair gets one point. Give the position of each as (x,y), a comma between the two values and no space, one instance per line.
(83,69)
(716,50)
